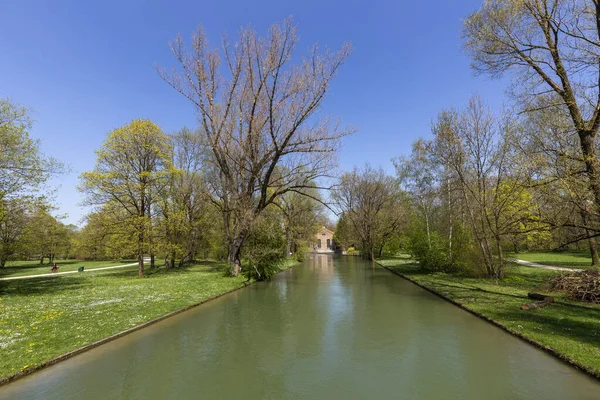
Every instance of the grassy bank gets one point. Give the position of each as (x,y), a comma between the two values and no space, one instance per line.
(22,268)
(42,318)
(567,259)
(571,329)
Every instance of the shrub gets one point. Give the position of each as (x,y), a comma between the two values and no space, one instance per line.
(301,254)
(264,250)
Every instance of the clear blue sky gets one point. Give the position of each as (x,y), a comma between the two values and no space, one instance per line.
(88,67)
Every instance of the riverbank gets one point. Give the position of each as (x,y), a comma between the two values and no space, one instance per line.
(567,329)
(45,318)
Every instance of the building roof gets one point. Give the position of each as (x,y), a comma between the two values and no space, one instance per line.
(327,230)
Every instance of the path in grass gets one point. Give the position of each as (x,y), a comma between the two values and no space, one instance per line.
(536,265)
(566,259)
(572,329)
(26,268)
(66,272)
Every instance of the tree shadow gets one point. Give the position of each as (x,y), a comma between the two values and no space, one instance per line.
(561,321)
(45,285)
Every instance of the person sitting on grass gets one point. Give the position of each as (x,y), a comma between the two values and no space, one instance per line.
(54,268)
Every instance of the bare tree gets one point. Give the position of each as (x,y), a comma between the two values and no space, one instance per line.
(257,117)
(371,201)
(554,46)
(477,145)
(418,176)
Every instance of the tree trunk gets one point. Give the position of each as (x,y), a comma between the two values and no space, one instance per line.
(173,259)
(42,260)
(500,270)
(594,251)
(593,245)
(428,231)
(288,242)
(141,253)
(235,264)
(3,261)
(591,164)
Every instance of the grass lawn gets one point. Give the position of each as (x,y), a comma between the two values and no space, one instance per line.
(42,318)
(22,268)
(571,329)
(568,259)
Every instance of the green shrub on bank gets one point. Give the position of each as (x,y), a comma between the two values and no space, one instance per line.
(264,250)
(301,253)
(434,252)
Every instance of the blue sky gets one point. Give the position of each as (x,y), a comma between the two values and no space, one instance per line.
(85,68)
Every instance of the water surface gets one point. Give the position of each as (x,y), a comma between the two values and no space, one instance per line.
(332,328)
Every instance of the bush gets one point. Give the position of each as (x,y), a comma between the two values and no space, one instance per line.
(301,254)
(264,251)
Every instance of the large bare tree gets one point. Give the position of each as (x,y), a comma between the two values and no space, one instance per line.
(372,202)
(256,112)
(554,48)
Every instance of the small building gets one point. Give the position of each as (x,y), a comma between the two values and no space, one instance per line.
(324,241)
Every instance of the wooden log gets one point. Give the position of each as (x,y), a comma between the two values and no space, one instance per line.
(541,297)
(538,304)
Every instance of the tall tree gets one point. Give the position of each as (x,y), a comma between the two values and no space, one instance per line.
(134,160)
(302,217)
(23,171)
(477,145)
(553,46)
(418,175)
(13,222)
(45,235)
(257,115)
(23,167)
(371,201)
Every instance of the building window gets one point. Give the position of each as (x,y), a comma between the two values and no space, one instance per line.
(318,243)
(329,243)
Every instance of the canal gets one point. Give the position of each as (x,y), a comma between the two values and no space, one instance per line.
(331,328)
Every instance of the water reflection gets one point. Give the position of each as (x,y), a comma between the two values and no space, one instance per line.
(334,328)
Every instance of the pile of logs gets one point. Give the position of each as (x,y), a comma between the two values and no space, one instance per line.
(580,286)
(543,301)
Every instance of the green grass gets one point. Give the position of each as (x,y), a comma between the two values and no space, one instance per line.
(568,259)
(22,268)
(571,329)
(42,318)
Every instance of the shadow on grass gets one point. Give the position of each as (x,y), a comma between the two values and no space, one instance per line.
(11,270)
(61,284)
(560,320)
(35,286)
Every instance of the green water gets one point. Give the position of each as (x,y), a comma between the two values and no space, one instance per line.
(332,328)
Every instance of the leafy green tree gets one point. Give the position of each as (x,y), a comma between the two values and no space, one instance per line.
(12,227)
(45,235)
(23,171)
(23,168)
(133,162)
